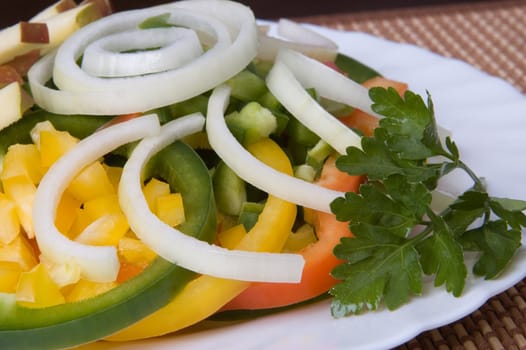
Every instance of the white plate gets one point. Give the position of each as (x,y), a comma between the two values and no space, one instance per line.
(487,117)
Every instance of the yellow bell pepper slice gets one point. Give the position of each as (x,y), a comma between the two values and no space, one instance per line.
(205,295)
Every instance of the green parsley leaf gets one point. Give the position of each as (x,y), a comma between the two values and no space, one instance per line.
(442,255)
(510,210)
(397,236)
(498,244)
(374,208)
(379,162)
(380,267)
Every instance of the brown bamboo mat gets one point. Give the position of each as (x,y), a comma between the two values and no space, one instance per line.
(492,37)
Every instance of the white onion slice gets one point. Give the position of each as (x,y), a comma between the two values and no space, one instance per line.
(328,82)
(293,72)
(296,37)
(231,25)
(294,31)
(111,56)
(97,263)
(185,250)
(255,172)
(293,96)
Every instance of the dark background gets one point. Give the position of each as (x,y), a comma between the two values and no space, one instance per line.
(13,11)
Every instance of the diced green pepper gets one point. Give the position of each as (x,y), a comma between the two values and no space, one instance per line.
(355,69)
(247,86)
(249,214)
(229,190)
(252,123)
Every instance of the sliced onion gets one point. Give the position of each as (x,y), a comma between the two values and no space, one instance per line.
(255,172)
(294,31)
(182,249)
(299,103)
(296,37)
(110,56)
(293,72)
(97,263)
(328,82)
(231,25)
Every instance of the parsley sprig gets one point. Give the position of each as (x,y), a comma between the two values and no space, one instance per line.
(398,238)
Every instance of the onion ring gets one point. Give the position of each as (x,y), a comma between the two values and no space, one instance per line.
(229,27)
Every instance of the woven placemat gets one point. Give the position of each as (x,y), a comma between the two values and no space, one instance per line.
(492,37)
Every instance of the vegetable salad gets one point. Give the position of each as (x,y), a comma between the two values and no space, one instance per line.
(163,165)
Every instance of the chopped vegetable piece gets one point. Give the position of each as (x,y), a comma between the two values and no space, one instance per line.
(34,33)
(88,289)
(19,251)
(106,230)
(9,222)
(22,191)
(22,160)
(9,275)
(170,209)
(53,144)
(154,189)
(36,289)
(229,190)
(231,237)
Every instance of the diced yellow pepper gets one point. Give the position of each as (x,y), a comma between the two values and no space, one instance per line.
(224,222)
(19,251)
(9,223)
(66,212)
(82,220)
(92,210)
(231,237)
(22,191)
(92,182)
(134,251)
(298,240)
(114,174)
(22,160)
(309,215)
(103,205)
(9,274)
(169,209)
(63,274)
(36,289)
(37,129)
(85,289)
(54,144)
(106,230)
(154,189)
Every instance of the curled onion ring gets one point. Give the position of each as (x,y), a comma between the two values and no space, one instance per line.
(108,57)
(228,32)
